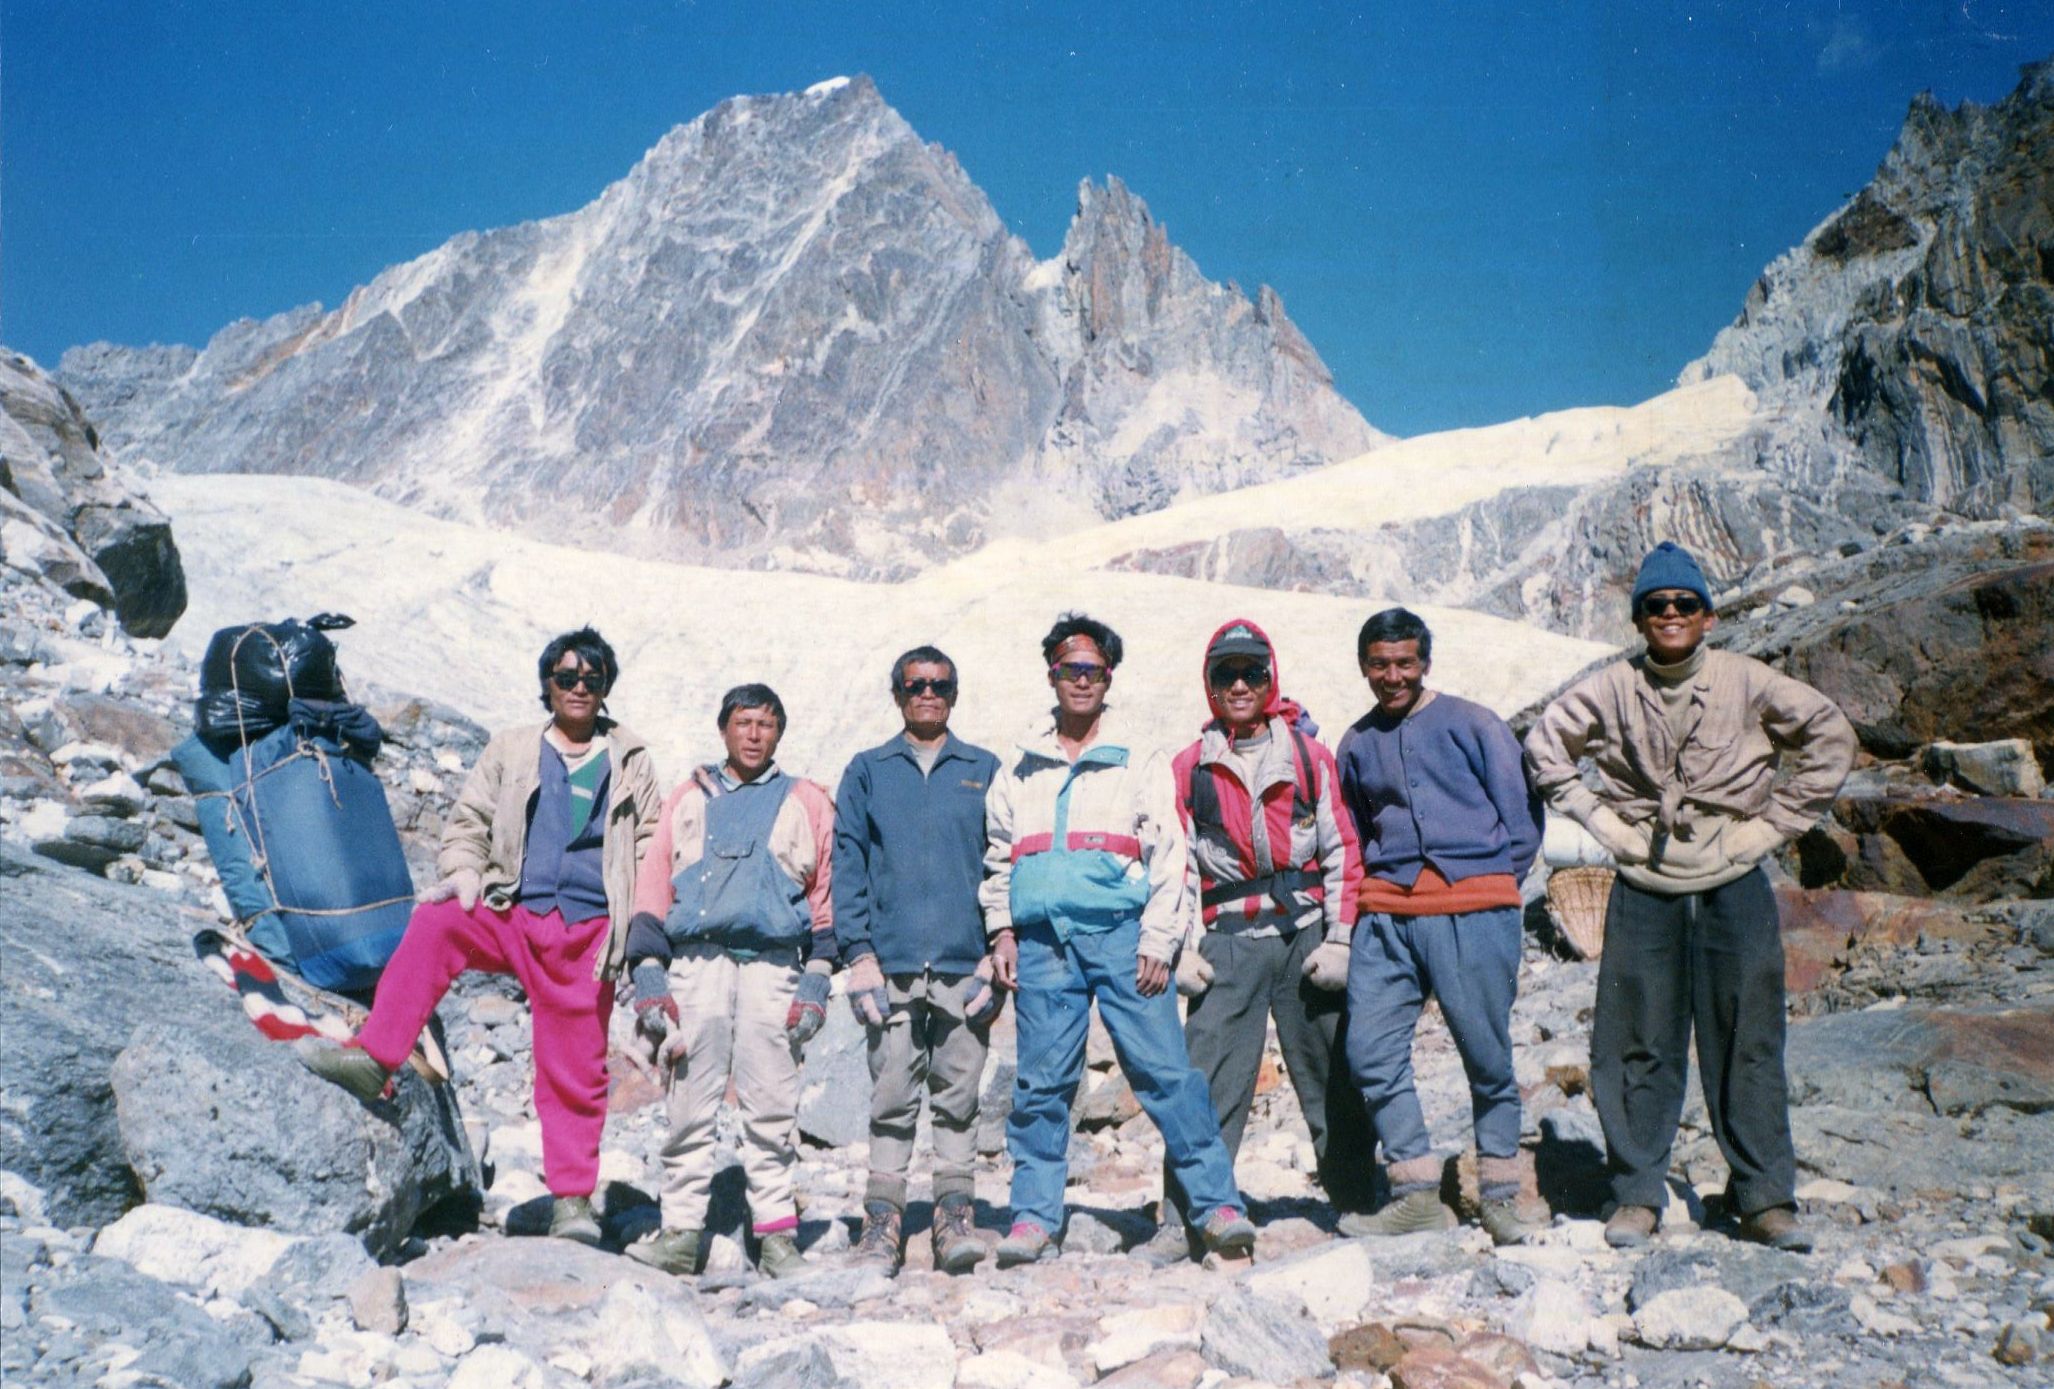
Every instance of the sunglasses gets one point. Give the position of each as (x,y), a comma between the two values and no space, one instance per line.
(1685,605)
(1225,677)
(946,688)
(1090,672)
(568,680)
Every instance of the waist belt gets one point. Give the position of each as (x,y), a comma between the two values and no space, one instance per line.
(1277,887)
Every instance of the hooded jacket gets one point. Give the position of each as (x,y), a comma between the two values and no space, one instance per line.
(1289,822)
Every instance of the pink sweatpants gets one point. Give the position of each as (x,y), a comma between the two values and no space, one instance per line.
(554,963)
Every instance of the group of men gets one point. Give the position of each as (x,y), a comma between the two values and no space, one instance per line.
(1262,876)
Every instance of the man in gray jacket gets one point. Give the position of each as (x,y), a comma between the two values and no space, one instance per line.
(1686,744)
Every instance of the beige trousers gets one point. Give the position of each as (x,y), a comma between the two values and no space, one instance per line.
(732,1013)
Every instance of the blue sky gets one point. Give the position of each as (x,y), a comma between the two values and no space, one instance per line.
(1473,211)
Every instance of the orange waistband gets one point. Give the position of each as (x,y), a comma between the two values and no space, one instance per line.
(1433,895)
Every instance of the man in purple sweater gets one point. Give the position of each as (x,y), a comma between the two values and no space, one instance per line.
(1448,828)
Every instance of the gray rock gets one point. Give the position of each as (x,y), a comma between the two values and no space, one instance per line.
(783,292)
(277,1147)
(805,1365)
(1802,1308)
(1747,1271)
(107,832)
(1249,1335)
(378,1302)
(1500,1278)
(182,1101)
(1093,1230)
(180,1344)
(1695,1318)
(2007,767)
(320,1269)
(98,539)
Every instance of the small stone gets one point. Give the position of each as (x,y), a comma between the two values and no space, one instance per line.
(378,1302)
(1128,1336)
(1437,1367)
(2017,1344)
(1370,1346)
(1700,1318)
(1553,1317)
(1876,1321)
(1906,1277)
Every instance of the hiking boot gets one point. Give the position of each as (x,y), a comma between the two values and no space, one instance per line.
(1778,1228)
(780,1257)
(1169,1246)
(1631,1227)
(956,1246)
(1229,1234)
(571,1218)
(1505,1224)
(1410,1214)
(879,1243)
(351,1067)
(673,1251)
(1026,1243)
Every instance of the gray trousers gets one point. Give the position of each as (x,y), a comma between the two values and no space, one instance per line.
(1254,980)
(924,1047)
(1713,960)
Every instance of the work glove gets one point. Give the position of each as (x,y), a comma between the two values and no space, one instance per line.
(1327,966)
(465,885)
(656,1012)
(1622,841)
(867,998)
(981,1001)
(809,1005)
(1750,841)
(1194,971)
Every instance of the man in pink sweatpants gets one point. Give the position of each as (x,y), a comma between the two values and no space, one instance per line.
(538,875)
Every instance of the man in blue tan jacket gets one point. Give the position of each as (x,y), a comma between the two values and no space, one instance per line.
(1084,902)
(908,858)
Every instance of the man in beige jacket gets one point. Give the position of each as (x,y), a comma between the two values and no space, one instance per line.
(1686,744)
(538,881)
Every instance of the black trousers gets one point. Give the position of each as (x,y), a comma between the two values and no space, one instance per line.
(1225,1028)
(1712,960)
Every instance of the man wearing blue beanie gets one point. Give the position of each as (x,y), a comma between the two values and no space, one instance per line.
(1687,743)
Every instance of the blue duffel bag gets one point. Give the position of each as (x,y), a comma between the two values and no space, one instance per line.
(298,827)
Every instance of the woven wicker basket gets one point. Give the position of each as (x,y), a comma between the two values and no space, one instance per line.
(1576,901)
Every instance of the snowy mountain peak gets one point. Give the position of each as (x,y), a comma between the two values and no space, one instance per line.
(793,335)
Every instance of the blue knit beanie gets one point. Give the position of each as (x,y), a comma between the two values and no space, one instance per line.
(1669,565)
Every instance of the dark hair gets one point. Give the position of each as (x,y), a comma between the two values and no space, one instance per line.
(1078,625)
(592,651)
(1394,624)
(751,697)
(919,656)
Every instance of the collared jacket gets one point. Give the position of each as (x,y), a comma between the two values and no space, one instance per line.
(488,827)
(1086,846)
(799,843)
(909,856)
(1270,827)
(1745,722)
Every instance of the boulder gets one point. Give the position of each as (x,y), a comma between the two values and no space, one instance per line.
(2006,767)
(1253,1336)
(1940,640)
(1824,930)
(88,532)
(133,1074)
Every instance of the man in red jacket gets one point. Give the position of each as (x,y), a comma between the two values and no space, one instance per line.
(1273,876)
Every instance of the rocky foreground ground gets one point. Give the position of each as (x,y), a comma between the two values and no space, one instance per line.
(181,1205)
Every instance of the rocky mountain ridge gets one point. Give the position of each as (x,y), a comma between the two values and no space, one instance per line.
(1900,361)
(794,335)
